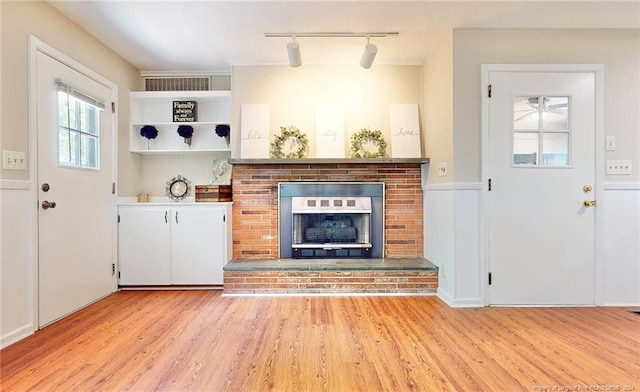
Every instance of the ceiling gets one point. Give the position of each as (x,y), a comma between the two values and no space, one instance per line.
(211,36)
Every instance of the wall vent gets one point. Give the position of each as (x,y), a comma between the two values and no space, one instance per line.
(176,84)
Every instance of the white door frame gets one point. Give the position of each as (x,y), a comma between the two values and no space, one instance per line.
(36,45)
(598,71)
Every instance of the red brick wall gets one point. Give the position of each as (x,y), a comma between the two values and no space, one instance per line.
(255,203)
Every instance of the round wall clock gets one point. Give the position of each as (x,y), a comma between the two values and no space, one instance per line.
(178,188)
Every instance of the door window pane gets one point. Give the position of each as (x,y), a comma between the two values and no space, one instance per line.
(525,113)
(78,132)
(541,130)
(555,149)
(525,148)
(555,115)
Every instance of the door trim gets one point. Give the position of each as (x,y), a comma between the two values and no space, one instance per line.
(35,46)
(598,71)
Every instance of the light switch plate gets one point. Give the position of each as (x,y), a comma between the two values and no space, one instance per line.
(618,167)
(14,160)
(610,143)
(442,169)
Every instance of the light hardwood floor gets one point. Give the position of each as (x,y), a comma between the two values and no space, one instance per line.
(201,341)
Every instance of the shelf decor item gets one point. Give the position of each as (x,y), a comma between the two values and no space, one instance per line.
(149,132)
(223,130)
(185,111)
(186,131)
(178,188)
(291,143)
(368,144)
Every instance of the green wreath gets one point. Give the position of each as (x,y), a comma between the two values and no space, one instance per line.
(366,136)
(297,139)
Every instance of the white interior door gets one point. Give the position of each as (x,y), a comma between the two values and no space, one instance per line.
(542,169)
(75,235)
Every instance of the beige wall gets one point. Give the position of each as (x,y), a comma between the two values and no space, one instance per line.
(293,93)
(23,18)
(438,110)
(618,50)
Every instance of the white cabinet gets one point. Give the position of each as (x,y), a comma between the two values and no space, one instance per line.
(156,108)
(173,245)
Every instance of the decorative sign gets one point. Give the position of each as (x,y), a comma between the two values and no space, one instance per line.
(405,131)
(254,131)
(329,131)
(185,111)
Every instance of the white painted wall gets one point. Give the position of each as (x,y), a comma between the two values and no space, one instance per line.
(19,20)
(437,112)
(618,50)
(16,270)
(292,95)
(455,246)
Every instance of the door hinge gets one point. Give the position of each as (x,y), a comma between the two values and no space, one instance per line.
(113,107)
(113,188)
(489,278)
(118,218)
(489,91)
(113,269)
(118,274)
(224,218)
(489,184)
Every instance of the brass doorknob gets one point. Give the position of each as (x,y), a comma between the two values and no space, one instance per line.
(589,203)
(48,204)
(587,188)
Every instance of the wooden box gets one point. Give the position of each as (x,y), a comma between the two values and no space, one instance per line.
(206,193)
(225,193)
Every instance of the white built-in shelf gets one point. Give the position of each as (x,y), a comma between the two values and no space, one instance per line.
(156,108)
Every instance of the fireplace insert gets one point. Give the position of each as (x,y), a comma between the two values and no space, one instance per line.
(331,227)
(331,219)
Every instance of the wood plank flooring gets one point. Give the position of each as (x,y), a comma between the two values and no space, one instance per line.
(201,341)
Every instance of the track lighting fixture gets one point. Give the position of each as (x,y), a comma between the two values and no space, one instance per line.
(293,49)
(368,55)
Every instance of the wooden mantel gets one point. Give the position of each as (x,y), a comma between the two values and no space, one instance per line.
(325,161)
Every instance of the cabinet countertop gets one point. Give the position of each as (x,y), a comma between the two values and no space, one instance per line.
(165,201)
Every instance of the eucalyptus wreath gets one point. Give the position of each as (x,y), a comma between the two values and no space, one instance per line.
(298,139)
(365,136)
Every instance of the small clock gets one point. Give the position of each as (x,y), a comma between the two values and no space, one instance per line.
(178,188)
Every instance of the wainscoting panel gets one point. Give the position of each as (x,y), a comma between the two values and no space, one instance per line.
(17,278)
(469,276)
(621,244)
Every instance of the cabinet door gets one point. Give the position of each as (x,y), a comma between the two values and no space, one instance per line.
(198,241)
(144,246)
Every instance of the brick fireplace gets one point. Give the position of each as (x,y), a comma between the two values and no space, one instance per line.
(255,203)
(260,268)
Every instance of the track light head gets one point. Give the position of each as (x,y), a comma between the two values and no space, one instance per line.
(368,55)
(293,49)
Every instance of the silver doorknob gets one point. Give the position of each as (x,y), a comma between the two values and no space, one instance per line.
(589,203)
(48,204)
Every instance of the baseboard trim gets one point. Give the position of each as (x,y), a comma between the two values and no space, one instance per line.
(460,302)
(15,336)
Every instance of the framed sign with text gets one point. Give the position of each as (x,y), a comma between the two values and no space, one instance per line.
(185,111)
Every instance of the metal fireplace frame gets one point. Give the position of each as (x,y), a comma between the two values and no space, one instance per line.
(288,190)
